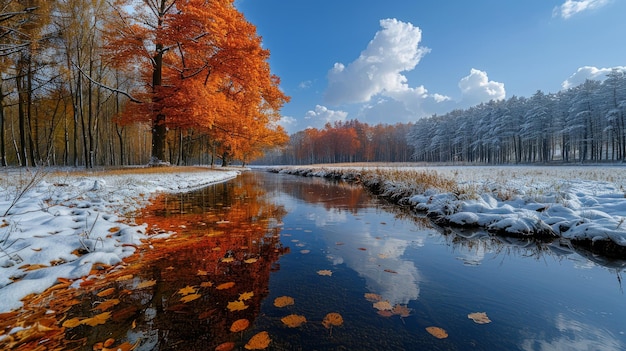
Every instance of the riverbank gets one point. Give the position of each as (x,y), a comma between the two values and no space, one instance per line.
(60,224)
(583,206)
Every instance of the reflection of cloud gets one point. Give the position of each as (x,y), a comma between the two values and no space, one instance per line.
(576,336)
(475,256)
(333,215)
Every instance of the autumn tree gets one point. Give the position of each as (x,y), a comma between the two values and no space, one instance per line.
(202,67)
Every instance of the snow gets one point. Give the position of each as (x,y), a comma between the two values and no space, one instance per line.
(586,203)
(66,222)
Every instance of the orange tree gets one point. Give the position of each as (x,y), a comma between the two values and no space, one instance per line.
(202,67)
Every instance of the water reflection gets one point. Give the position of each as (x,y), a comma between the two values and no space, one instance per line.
(188,290)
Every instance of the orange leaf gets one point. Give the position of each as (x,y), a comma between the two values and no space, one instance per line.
(239,325)
(236,306)
(225,286)
(106,292)
(105,305)
(259,341)
(187,290)
(437,332)
(146,284)
(97,319)
(72,323)
(189,298)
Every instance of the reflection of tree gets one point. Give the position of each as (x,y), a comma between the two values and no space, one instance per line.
(219,228)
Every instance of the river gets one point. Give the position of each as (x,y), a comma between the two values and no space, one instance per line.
(244,246)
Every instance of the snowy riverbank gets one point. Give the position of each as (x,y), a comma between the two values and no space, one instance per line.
(585,205)
(59,224)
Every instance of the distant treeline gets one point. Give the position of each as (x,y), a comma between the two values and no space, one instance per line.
(350,141)
(583,123)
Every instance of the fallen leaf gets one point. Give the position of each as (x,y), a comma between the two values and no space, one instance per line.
(72,323)
(293,320)
(362,249)
(371,297)
(206,284)
(382,256)
(437,332)
(479,317)
(114,229)
(97,319)
(105,305)
(201,272)
(259,341)
(391,271)
(239,325)
(236,306)
(225,286)
(106,292)
(189,298)
(385,313)
(124,277)
(228,259)
(146,284)
(283,301)
(216,248)
(305,251)
(251,260)
(32,267)
(108,342)
(332,319)
(339,243)
(227,346)
(401,310)
(246,295)
(325,272)
(187,290)
(383,306)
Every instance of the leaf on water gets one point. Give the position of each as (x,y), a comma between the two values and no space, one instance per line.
(251,260)
(332,319)
(206,284)
(383,306)
(391,271)
(293,320)
(325,272)
(189,298)
(72,323)
(339,243)
(239,325)
(246,295)
(106,292)
(259,342)
(225,286)
(300,245)
(362,249)
(294,240)
(97,319)
(385,314)
(105,305)
(236,306)
(437,332)
(283,301)
(228,259)
(201,272)
(227,346)
(187,290)
(305,251)
(371,297)
(401,310)
(479,317)
(382,256)
(146,284)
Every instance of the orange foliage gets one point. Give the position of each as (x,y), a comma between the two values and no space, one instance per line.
(214,76)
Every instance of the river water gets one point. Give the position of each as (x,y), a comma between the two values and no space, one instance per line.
(333,248)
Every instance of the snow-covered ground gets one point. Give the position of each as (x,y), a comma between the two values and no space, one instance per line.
(59,224)
(578,203)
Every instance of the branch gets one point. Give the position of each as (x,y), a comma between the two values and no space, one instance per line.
(118,91)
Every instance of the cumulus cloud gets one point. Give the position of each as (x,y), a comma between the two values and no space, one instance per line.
(589,72)
(325,115)
(378,70)
(572,7)
(477,88)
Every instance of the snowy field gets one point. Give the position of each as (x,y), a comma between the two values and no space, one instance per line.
(57,224)
(579,203)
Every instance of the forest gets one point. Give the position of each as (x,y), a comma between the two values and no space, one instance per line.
(119,82)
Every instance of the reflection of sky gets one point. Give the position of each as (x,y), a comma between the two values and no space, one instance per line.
(575,336)
(381,264)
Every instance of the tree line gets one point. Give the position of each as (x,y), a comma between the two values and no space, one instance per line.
(586,123)
(350,141)
(117,82)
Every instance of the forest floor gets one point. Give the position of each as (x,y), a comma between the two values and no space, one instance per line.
(582,205)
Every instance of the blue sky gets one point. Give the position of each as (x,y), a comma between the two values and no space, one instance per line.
(401,60)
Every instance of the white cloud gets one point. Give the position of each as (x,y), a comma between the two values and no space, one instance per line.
(323,114)
(477,88)
(305,85)
(286,121)
(589,72)
(377,70)
(572,7)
